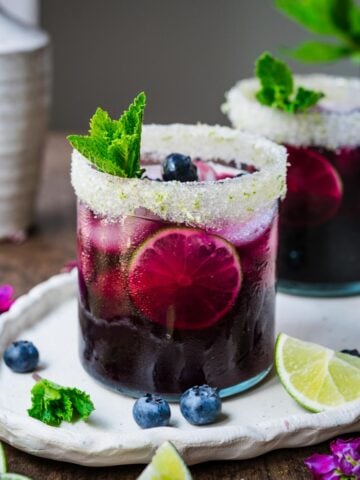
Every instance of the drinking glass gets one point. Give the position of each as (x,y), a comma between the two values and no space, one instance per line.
(319,248)
(177,280)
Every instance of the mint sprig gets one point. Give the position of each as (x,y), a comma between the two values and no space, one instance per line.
(113,146)
(52,403)
(277,86)
(339,19)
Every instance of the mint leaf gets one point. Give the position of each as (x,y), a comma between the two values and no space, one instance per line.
(340,13)
(52,403)
(277,86)
(337,18)
(113,146)
(274,74)
(314,15)
(356,57)
(355,23)
(316,52)
(304,99)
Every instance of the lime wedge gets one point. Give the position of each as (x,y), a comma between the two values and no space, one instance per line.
(166,464)
(3,461)
(3,468)
(316,377)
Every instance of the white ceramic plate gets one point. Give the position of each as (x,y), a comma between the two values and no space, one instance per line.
(262,419)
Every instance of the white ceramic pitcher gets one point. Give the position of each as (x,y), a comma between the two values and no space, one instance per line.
(24,102)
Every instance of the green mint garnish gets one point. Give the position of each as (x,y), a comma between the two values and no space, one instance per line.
(339,19)
(52,403)
(113,146)
(277,86)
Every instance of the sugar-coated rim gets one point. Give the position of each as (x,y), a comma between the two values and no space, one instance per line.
(193,203)
(320,126)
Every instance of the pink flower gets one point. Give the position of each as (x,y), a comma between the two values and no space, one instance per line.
(6,297)
(342,464)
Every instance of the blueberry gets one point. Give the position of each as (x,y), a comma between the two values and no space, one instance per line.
(151,411)
(200,405)
(179,167)
(353,351)
(21,356)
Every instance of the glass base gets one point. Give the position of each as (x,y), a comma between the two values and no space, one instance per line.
(319,289)
(224,392)
(241,387)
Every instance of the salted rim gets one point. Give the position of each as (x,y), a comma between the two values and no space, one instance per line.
(193,203)
(327,124)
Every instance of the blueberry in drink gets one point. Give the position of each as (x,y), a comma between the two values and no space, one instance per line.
(320,217)
(177,276)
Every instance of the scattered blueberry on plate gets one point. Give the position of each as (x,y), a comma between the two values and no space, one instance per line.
(200,405)
(151,411)
(177,166)
(21,356)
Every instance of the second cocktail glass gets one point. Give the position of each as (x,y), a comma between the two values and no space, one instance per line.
(319,253)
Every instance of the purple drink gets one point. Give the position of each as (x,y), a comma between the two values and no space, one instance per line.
(320,220)
(320,217)
(177,280)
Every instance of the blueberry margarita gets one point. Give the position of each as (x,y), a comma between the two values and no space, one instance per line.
(319,250)
(176,265)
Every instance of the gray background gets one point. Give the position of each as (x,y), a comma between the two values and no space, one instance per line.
(183,53)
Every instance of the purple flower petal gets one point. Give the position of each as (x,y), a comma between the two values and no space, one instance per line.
(348,453)
(6,297)
(342,447)
(335,475)
(319,465)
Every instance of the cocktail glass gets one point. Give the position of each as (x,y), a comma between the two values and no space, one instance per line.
(177,280)
(319,247)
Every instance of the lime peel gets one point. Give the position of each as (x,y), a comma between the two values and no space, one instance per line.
(3,461)
(4,474)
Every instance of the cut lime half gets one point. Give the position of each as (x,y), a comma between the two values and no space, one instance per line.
(166,464)
(316,377)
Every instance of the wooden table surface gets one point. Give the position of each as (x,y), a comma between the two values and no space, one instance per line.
(51,244)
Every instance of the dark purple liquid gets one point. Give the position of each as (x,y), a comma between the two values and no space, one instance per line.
(123,348)
(320,218)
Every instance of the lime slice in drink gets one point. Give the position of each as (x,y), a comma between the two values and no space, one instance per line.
(316,377)
(314,189)
(166,464)
(184,278)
